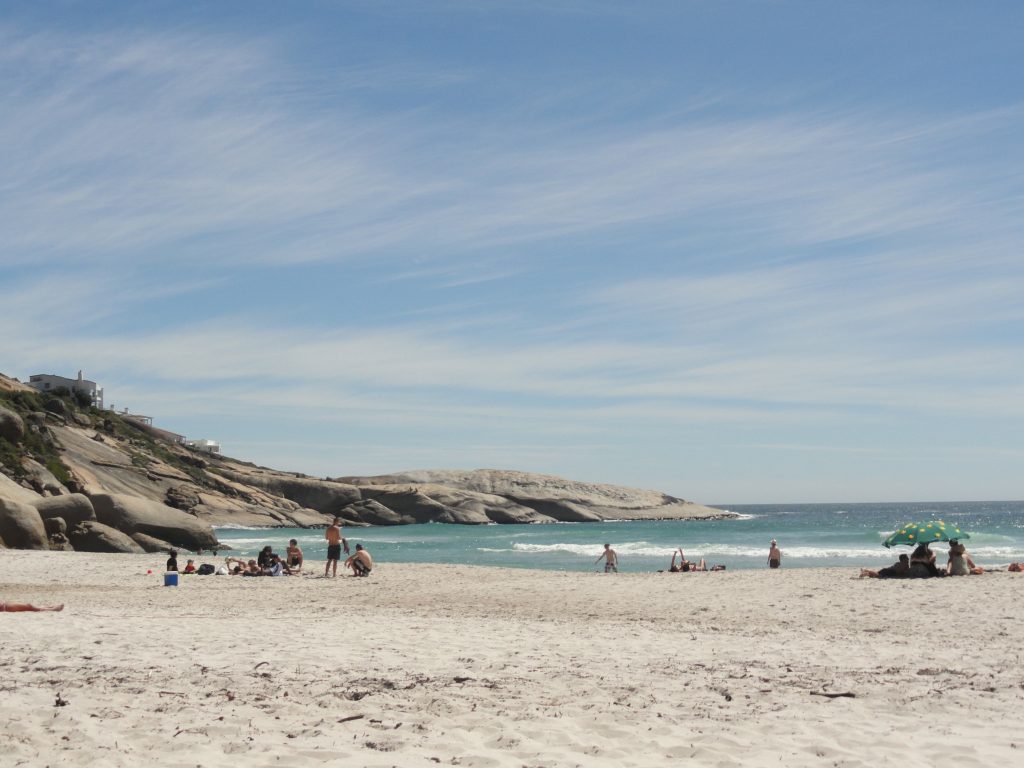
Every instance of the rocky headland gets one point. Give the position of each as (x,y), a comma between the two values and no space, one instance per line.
(75,477)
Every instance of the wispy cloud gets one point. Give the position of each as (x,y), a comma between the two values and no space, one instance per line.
(774,268)
(122,150)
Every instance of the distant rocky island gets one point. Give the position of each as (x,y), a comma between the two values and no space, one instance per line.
(73,476)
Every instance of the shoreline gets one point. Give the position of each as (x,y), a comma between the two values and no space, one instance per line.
(486,666)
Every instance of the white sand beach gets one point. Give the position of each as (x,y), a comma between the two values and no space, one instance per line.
(445,665)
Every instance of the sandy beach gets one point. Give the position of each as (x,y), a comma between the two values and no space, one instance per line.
(424,665)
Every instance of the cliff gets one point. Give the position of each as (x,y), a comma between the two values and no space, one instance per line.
(97,479)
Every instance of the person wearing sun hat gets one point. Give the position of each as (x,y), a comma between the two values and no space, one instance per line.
(960,563)
(957,565)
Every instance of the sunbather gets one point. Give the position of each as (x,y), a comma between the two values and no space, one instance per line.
(22,607)
(898,570)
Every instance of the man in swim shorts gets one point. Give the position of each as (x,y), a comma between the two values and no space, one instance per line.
(361,563)
(294,555)
(611,560)
(774,555)
(335,541)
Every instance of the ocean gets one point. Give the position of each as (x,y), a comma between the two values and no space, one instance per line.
(810,535)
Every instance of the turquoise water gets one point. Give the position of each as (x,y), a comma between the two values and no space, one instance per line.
(810,535)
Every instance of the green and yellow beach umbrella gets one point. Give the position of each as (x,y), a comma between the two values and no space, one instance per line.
(928,532)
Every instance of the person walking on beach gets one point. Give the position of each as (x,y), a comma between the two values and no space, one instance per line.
(335,541)
(611,560)
(774,555)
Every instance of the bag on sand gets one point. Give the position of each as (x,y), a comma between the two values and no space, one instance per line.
(205,569)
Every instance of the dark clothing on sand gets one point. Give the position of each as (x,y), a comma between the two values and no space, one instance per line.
(919,570)
(895,571)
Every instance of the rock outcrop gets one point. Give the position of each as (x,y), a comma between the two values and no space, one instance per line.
(325,496)
(21,527)
(12,428)
(9,489)
(106,473)
(527,497)
(57,534)
(131,514)
(151,543)
(41,479)
(74,508)
(91,536)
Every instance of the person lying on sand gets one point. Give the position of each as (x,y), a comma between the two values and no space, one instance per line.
(684,564)
(238,567)
(898,570)
(360,562)
(21,607)
(1016,567)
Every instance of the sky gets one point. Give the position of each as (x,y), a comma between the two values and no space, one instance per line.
(739,252)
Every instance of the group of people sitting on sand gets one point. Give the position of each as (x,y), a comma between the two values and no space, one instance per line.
(269,563)
(920,564)
(688,566)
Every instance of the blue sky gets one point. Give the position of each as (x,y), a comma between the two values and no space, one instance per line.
(757,251)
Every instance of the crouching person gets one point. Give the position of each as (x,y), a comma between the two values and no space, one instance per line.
(361,563)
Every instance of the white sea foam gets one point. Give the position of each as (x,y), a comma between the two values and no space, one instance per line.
(593,550)
(710,550)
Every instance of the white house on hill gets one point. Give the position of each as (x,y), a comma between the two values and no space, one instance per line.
(210,446)
(47,382)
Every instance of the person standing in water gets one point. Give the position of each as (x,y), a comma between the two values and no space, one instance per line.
(611,560)
(774,555)
(334,543)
